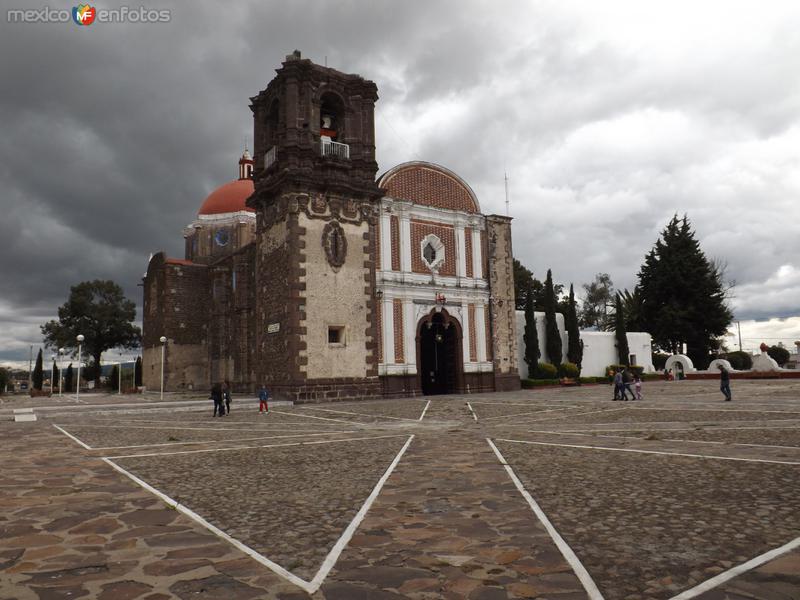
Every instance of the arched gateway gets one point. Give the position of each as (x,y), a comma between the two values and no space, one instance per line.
(439,354)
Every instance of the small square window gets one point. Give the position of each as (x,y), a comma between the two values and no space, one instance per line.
(429,253)
(336,334)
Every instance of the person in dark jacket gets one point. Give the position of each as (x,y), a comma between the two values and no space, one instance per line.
(216,396)
(725,382)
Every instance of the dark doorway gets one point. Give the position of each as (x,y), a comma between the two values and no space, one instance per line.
(439,355)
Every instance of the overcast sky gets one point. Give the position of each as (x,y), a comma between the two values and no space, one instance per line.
(608,117)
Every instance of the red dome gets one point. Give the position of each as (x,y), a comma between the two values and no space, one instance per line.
(228,198)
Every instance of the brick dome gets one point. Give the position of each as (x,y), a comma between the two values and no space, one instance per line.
(228,198)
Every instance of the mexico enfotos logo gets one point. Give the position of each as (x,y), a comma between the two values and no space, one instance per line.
(85,14)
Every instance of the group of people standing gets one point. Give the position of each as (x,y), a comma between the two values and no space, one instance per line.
(221,395)
(623,379)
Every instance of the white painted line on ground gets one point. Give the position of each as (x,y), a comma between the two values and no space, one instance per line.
(342,542)
(721,410)
(757,460)
(244,424)
(640,424)
(312,443)
(90,426)
(737,570)
(697,428)
(344,412)
(533,412)
(474,416)
(297,414)
(629,437)
(274,567)
(73,438)
(591,412)
(424,410)
(581,572)
(195,443)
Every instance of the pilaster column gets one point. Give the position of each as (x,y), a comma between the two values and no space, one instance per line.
(461,252)
(477,254)
(405,243)
(480,331)
(386,241)
(410,334)
(388,330)
(465,333)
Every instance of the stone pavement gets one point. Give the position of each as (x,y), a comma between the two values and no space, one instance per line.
(448,523)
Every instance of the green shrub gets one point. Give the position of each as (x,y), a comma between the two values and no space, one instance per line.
(545,371)
(527,384)
(660,360)
(780,354)
(741,361)
(568,369)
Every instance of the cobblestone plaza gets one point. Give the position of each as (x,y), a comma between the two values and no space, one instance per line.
(552,493)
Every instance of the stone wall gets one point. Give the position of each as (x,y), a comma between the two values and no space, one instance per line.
(502,309)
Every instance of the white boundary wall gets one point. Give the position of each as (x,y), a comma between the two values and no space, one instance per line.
(599,347)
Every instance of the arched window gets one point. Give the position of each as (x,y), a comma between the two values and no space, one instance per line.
(331,116)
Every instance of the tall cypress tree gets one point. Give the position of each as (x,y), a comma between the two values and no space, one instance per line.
(620,333)
(683,300)
(68,378)
(137,380)
(38,374)
(574,347)
(553,338)
(531,336)
(55,372)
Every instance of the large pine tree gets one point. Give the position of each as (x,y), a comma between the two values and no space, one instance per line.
(531,337)
(620,333)
(68,379)
(574,347)
(682,295)
(553,337)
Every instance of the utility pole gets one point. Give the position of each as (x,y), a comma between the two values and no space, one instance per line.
(505,178)
(739,328)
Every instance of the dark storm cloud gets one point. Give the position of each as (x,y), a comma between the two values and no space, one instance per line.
(607,119)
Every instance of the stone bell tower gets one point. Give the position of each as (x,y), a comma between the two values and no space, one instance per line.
(315,198)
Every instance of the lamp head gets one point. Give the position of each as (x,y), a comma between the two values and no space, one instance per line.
(163,340)
(80,337)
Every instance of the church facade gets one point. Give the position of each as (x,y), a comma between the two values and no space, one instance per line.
(311,275)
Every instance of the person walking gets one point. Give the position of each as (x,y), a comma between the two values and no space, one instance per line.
(617,385)
(226,389)
(626,385)
(725,382)
(637,381)
(216,396)
(263,397)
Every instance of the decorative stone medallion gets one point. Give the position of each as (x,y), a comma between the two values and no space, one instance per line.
(335,244)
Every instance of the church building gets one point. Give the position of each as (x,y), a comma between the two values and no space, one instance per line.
(316,277)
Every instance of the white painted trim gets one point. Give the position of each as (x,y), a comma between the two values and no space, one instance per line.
(567,552)
(341,543)
(438,246)
(424,410)
(465,337)
(388,330)
(733,458)
(386,241)
(272,566)
(409,335)
(477,254)
(480,331)
(461,251)
(73,438)
(737,570)
(387,277)
(405,243)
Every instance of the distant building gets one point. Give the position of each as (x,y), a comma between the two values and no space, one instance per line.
(312,276)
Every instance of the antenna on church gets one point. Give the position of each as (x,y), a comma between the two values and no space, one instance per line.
(326,60)
(505,178)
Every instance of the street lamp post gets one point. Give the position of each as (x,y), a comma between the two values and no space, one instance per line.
(163,341)
(53,375)
(80,339)
(60,370)
(120,373)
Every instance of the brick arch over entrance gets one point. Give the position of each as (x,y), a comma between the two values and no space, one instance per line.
(429,184)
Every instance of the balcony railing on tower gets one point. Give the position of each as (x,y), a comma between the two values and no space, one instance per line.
(335,149)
